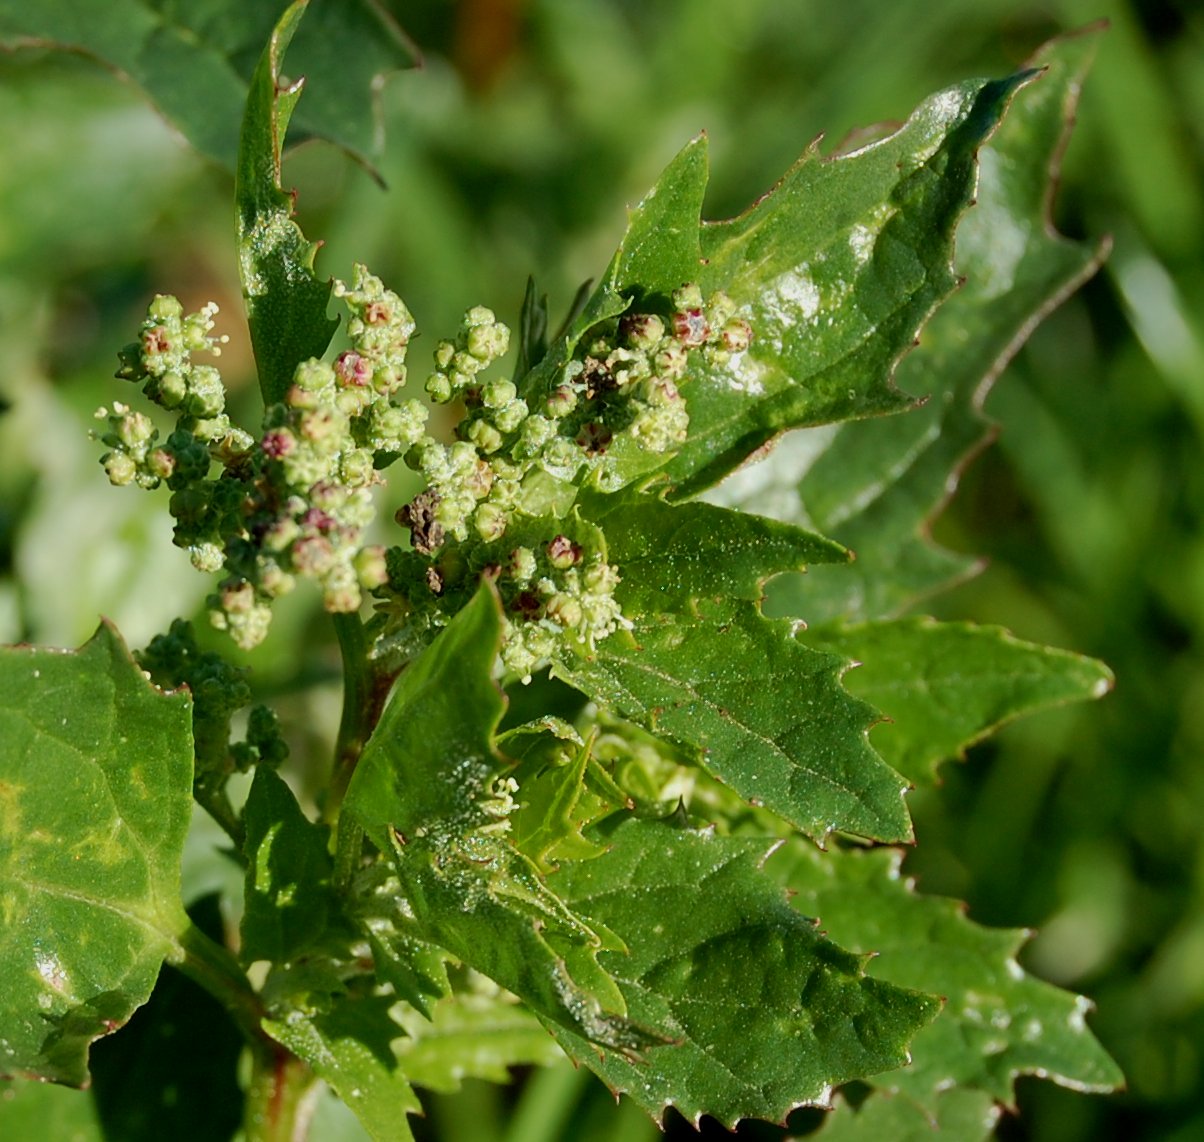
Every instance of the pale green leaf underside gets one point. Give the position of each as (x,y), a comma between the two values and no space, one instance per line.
(194,60)
(945,686)
(764,1012)
(998,1021)
(95,795)
(764,713)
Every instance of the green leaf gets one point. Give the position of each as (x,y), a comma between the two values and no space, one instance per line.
(286,303)
(351,1048)
(998,1021)
(475,1034)
(194,60)
(95,796)
(876,485)
(424,791)
(547,824)
(958,1116)
(835,269)
(945,686)
(764,1013)
(763,713)
(670,555)
(288,893)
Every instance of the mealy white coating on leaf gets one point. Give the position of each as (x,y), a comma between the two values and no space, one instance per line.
(792,295)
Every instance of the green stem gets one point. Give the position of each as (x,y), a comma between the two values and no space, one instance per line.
(210,793)
(277,1107)
(366,688)
(279,1099)
(218,972)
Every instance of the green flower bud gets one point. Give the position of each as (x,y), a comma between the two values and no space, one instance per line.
(490,522)
(439,388)
(688,296)
(484,436)
(561,401)
(509,417)
(165,307)
(642,331)
(120,468)
(371,567)
(498,393)
(207,557)
(521,566)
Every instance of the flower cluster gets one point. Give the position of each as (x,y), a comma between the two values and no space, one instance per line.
(498,499)
(295,502)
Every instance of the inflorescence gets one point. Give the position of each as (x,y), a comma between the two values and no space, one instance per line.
(498,500)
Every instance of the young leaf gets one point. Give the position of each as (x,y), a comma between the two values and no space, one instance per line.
(286,303)
(764,1013)
(875,485)
(425,792)
(797,746)
(95,796)
(194,60)
(945,686)
(288,893)
(998,1021)
(351,1047)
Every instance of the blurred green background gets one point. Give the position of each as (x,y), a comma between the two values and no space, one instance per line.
(513,151)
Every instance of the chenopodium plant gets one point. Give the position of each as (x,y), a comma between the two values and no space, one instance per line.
(677,864)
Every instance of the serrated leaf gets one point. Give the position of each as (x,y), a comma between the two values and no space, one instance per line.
(473,1034)
(194,60)
(288,893)
(416,970)
(765,1013)
(424,793)
(875,485)
(958,1116)
(945,686)
(670,555)
(764,713)
(286,303)
(998,1021)
(836,269)
(95,798)
(351,1048)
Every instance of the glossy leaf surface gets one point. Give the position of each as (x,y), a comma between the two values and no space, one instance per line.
(95,793)
(875,485)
